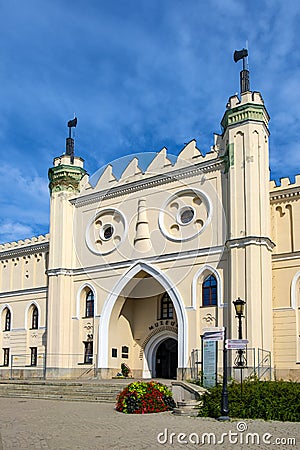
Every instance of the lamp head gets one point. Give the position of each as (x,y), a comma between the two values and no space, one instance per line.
(239,305)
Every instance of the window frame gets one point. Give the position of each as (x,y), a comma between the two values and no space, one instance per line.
(6,356)
(211,290)
(33,356)
(166,307)
(35,318)
(88,352)
(89,304)
(7,320)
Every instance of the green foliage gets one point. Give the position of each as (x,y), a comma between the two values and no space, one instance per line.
(125,370)
(268,400)
(145,397)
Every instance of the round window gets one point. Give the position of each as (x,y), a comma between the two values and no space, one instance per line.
(186,215)
(106,232)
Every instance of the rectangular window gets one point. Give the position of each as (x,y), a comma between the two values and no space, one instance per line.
(125,351)
(88,352)
(33,358)
(6,357)
(166,307)
(114,352)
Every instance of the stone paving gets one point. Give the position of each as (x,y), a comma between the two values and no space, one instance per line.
(52,424)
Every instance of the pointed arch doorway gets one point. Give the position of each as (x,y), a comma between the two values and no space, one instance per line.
(122,305)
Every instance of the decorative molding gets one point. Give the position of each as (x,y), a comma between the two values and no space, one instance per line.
(147,183)
(286,256)
(286,194)
(167,212)
(209,319)
(244,113)
(250,240)
(22,251)
(65,178)
(31,291)
(155,331)
(125,264)
(150,351)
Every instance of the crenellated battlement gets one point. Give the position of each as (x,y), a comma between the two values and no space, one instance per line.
(161,163)
(285,183)
(25,243)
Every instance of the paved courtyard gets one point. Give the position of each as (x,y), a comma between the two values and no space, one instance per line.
(52,424)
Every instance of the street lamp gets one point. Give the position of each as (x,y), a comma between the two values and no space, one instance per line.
(239,306)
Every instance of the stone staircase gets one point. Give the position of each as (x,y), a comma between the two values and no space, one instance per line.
(90,391)
(73,390)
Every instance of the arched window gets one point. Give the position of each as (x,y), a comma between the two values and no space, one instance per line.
(166,307)
(35,318)
(89,304)
(7,320)
(209,291)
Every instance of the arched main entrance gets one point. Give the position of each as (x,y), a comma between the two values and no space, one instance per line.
(124,300)
(166,359)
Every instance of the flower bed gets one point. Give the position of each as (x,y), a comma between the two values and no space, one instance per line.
(145,397)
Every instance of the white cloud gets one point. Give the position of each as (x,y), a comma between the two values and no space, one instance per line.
(13,231)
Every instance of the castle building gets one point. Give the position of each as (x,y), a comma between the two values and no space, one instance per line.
(135,269)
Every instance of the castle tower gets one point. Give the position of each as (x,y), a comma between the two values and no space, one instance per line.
(65,180)
(245,150)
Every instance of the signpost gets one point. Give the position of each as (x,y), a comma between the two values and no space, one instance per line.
(210,354)
(236,344)
(209,363)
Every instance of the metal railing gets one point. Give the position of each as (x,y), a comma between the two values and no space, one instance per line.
(22,366)
(257,363)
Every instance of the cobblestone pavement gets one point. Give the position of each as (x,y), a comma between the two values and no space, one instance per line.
(50,424)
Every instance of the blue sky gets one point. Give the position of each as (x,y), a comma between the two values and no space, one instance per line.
(140,75)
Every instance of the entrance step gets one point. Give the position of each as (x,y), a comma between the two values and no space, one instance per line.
(89,391)
(73,391)
(188,408)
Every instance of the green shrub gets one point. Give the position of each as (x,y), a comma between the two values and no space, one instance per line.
(145,397)
(125,370)
(268,400)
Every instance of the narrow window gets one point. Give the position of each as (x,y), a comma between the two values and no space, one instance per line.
(89,304)
(33,358)
(209,291)
(7,323)
(166,307)
(88,352)
(114,352)
(125,351)
(35,318)
(6,357)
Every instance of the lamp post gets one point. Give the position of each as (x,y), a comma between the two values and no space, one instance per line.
(224,398)
(240,360)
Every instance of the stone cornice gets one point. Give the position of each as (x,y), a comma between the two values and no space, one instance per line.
(32,291)
(250,240)
(126,264)
(22,251)
(286,256)
(245,113)
(65,178)
(285,194)
(149,182)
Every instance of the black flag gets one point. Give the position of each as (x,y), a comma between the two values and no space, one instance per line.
(72,123)
(240,54)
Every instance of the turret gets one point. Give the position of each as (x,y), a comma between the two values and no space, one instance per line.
(65,177)
(244,147)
